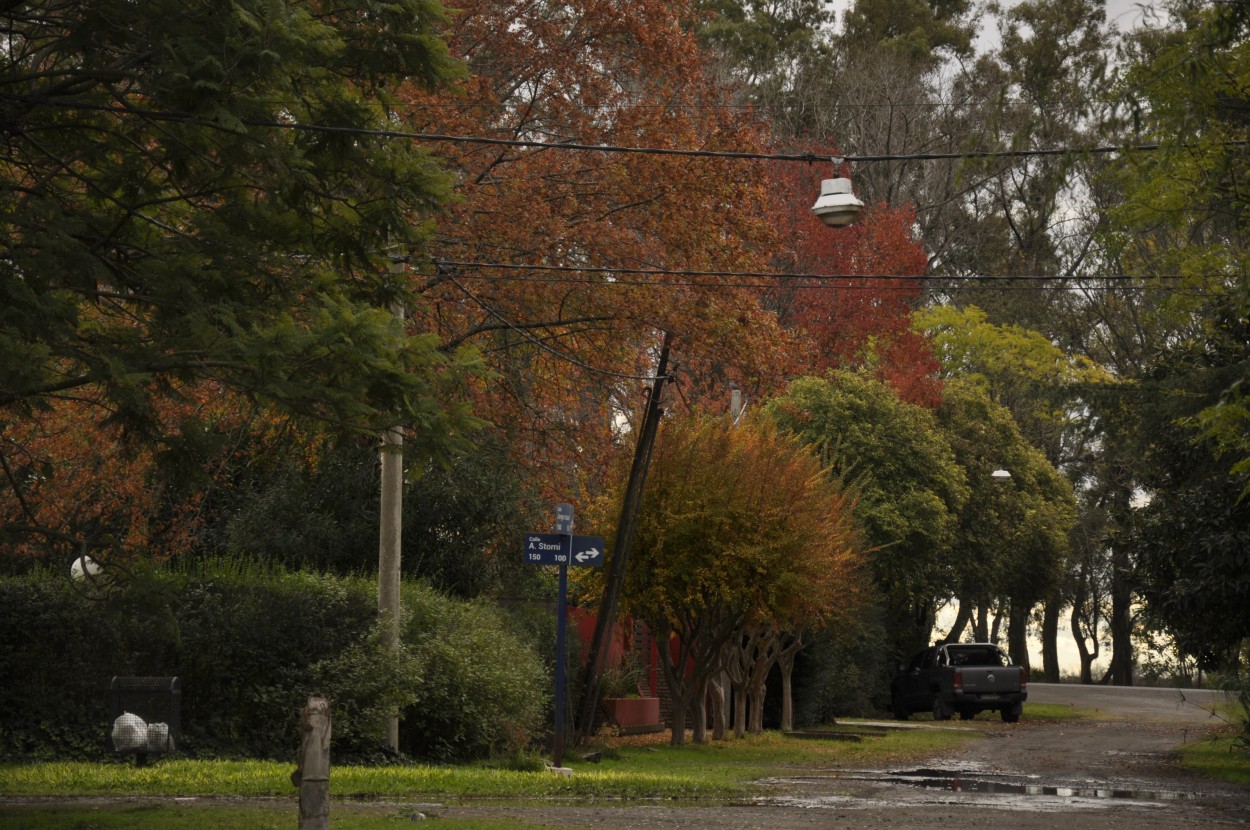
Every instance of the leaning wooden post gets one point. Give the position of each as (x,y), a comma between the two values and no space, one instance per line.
(312,771)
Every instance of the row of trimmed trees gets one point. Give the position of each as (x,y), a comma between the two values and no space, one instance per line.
(835,498)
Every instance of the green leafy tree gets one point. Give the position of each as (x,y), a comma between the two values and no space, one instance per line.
(917,29)
(1045,391)
(460,517)
(1013,534)
(908,484)
(172,213)
(759,39)
(177,226)
(1183,212)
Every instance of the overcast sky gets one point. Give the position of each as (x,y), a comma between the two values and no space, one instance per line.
(1125,15)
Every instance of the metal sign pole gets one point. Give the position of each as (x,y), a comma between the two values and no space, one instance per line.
(557,757)
(562,548)
(564,526)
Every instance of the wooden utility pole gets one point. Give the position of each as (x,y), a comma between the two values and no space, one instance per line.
(615,579)
(312,770)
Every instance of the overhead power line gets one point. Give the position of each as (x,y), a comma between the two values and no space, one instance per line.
(783,275)
(810,158)
(581,275)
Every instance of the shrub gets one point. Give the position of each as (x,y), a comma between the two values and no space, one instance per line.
(483,691)
(249,646)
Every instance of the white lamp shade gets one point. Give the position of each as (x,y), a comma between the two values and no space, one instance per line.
(837,206)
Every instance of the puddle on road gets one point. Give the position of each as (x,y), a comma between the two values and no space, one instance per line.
(972,782)
(973,787)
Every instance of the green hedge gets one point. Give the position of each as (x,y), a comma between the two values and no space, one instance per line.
(249,646)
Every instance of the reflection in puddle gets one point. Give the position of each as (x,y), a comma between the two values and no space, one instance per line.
(965,782)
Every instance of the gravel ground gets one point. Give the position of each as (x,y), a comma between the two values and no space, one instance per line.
(1115,773)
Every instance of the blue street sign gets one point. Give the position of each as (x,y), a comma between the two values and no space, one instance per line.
(547,548)
(587,551)
(562,549)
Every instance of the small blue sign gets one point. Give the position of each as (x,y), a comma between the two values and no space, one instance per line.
(564,518)
(547,548)
(562,549)
(587,551)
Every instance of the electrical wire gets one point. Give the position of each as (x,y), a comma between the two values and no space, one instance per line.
(183,117)
(587,269)
(808,158)
(865,282)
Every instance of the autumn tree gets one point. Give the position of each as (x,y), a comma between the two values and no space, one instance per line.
(572,349)
(739,526)
(861,318)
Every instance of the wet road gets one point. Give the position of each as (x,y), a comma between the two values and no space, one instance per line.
(1117,771)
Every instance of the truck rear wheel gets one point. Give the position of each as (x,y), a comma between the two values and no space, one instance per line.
(940,710)
(1011,713)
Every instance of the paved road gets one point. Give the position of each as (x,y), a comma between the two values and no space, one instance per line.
(1186,705)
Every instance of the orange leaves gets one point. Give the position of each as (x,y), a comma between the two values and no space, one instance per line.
(741,518)
(568,348)
(75,482)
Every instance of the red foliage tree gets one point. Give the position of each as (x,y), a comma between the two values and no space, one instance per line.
(570,350)
(864,318)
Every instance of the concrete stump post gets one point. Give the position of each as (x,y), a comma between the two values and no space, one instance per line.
(312,771)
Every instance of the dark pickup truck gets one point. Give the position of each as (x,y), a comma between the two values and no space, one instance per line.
(964,678)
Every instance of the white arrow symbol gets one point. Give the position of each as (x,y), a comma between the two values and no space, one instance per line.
(583,555)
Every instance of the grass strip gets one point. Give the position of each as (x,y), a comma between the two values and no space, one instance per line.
(716,770)
(1222,758)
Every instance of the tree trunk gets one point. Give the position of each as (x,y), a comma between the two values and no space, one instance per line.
(982,628)
(755,721)
(786,661)
(740,709)
(1018,633)
(962,617)
(700,714)
(1050,638)
(787,699)
(1121,622)
(678,737)
(720,715)
(1087,657)
(764,646)
(1121,669)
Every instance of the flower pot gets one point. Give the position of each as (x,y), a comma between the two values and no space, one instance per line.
(633,711)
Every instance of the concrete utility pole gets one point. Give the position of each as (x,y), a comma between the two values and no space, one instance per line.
(390,532)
